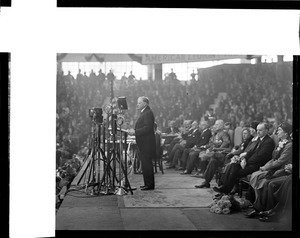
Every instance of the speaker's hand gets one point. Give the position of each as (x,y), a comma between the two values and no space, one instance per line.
(131,132)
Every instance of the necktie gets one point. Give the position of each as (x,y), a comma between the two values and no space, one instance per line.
(259,142)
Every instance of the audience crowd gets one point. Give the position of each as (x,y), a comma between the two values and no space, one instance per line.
(253,92)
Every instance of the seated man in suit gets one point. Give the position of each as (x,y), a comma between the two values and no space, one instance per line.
(172,129)
(222,160)
(216,161)
(251,161)
(191,138)
(189,155)
(183,132)
(219,142)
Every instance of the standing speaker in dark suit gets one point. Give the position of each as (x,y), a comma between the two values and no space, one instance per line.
(145,140)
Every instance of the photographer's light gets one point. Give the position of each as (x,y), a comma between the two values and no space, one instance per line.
(122,103)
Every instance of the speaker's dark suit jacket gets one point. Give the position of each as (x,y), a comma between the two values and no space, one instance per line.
(145,140)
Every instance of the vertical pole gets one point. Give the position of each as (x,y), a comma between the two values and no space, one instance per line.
(108,152)
(98,154)
(125,158)
(120,159)
(113,149)
(112,127)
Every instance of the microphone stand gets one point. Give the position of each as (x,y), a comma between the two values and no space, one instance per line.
(120,190)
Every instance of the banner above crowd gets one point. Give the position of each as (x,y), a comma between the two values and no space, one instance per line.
(145,59)
(182,58)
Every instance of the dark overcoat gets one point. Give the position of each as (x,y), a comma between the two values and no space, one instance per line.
(144,133)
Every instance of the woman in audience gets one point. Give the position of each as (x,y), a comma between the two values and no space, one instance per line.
(280,193)
(274,168)
(277,196)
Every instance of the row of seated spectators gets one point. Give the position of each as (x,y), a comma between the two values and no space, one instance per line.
(259,152)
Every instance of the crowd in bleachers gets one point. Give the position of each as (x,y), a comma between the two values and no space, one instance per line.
(261,92)
(254,92)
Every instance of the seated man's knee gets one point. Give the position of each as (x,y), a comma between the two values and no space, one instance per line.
(272,185)
(205,158)
(213,161)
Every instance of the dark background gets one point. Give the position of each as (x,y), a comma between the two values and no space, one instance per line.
(5,3)
(4,159)
(241,4)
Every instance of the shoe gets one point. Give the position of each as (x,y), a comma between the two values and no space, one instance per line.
(233,191)
(266,213)
(252,214)
(184,172)
(219,189)
(180,168)
(170,167)
(147,188)
(203,185)
(218,195)
(268,218)
(197,175)
(142,186)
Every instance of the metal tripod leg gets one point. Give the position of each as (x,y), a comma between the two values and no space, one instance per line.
(109,174)
(84,172)
(126,186)
(106,176)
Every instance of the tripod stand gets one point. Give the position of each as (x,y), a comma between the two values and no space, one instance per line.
(123,188)
(106,184)
(91,172)
(116,156)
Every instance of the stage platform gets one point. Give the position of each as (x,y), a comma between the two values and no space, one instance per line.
(175,204)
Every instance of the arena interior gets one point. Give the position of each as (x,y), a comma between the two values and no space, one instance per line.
(239,90)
